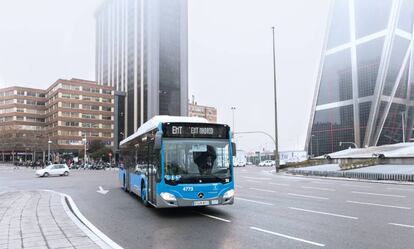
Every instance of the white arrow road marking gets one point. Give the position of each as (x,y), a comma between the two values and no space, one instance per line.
(102,191)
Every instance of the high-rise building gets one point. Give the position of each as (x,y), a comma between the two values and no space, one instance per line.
(364,94)
(141,50)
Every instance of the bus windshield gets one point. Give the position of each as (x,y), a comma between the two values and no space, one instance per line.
(196,161)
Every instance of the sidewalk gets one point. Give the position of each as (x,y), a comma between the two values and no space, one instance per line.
(37,219)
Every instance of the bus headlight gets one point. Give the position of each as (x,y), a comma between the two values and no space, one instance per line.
(168,197)
(228,194)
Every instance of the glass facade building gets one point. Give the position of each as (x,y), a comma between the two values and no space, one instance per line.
(141,50)
(364,94)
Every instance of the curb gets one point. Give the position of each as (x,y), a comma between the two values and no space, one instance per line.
(349,179)
(84,224)
(356,175)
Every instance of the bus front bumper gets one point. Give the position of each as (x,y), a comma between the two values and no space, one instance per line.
(182,202)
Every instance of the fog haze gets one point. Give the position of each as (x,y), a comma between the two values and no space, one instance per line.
(230,56)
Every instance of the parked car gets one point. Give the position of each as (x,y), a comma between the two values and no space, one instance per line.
(54,170)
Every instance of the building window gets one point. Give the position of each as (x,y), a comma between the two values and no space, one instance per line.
(106,134)
(31,94)
(106,91)
(71,87)
(89,116)
(70,105)
(71,124)
(106,108)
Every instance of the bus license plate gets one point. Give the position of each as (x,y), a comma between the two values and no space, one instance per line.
(201,203)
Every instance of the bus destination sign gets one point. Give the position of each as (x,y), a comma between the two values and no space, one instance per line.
(194,130)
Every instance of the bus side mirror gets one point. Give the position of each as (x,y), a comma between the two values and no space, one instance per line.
(233,149)
(158,141)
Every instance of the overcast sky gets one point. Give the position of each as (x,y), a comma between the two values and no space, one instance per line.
(230,56)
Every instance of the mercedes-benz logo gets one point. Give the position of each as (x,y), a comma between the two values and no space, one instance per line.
(200,195)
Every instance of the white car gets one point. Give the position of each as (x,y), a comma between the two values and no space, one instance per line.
(267,163)
(239,164)
(54,170)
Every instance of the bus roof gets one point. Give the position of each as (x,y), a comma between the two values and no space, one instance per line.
(156,120)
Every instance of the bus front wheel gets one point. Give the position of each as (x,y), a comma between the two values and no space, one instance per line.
(144,196)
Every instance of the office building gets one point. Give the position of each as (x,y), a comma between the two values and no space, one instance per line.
(207,112)
(23,115)
(64,114)
(364,94)
(141,51)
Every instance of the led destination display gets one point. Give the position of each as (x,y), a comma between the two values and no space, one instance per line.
(194,130)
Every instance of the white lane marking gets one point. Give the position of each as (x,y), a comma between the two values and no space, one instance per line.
(324,189)
(379,205)
(330,214)
(258,202)
(257,178)
(279,184)
(252,181)
(318,182)
(401,225)
(402,189)
(264,190)
(309,196)
(287,236)
(237,186)
(377,194)
(212,216)
(356,186)
(244,170)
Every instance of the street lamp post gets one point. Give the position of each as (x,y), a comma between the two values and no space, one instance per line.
(403,125)
(274,82)
(84,155)
(232,127)
(48,149)
(311,145)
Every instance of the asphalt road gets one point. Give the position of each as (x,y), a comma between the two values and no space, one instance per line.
(270,211)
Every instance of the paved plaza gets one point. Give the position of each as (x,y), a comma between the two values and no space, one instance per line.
(37,219)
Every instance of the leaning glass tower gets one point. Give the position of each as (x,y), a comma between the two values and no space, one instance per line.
(364,95)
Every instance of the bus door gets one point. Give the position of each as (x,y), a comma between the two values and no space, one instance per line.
(151,173)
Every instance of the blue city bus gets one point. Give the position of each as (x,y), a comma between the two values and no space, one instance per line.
(177,162)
